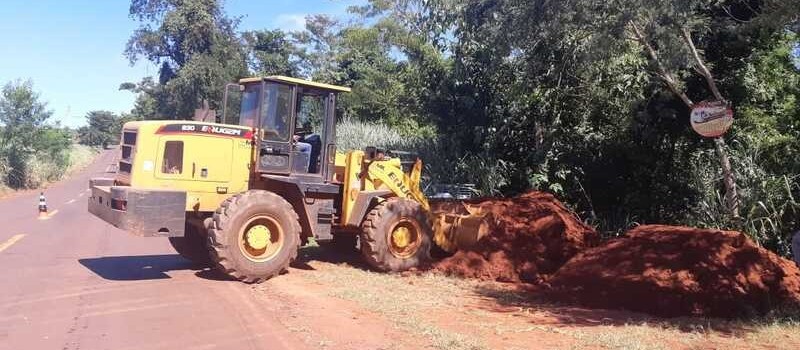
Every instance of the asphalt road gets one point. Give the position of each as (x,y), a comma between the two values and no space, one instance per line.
(73,282)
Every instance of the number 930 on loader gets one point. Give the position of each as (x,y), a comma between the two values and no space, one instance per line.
(244,194)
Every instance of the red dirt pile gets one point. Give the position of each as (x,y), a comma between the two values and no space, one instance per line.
(679,271)
(532,236)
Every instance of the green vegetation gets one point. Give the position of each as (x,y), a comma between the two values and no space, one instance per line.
(585,99)
(30,150)
(33,152)
(103,128)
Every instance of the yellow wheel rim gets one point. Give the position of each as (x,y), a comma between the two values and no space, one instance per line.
(261,238)
(404,239)
(401,237)
(258,237)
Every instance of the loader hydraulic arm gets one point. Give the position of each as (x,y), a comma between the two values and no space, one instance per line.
(390,173)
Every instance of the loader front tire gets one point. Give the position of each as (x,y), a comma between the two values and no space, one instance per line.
(254,236)
(192,246)
(396,236)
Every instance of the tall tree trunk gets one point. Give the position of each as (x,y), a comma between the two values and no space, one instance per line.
(731,193)
(729,178)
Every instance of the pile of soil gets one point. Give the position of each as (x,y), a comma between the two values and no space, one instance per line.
(679,271)
(531,236)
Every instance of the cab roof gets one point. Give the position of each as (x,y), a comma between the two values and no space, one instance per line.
(296,81)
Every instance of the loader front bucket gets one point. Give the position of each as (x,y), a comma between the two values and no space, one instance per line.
(458,225)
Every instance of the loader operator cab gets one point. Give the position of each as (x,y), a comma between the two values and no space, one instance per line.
(294,120)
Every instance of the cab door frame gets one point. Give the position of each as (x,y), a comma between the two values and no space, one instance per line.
(275,148)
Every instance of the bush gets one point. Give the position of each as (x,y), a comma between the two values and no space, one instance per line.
(769,209)
(79,157)
(42,169)
(352,134)
(46,167)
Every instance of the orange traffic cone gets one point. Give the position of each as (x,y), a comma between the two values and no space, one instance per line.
(42,206)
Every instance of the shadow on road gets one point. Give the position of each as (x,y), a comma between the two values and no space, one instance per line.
(153,267)
(134,268)
(213,274)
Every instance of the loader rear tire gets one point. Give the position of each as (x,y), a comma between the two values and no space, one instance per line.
(396,236)
(254,236)
(192,246)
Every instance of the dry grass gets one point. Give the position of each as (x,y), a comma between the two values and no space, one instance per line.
(418,303)
(778,334)
(402,300)
(43,170)
(80,156)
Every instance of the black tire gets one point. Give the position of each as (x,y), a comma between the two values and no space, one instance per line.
(192,246)
(377,230)
(233,221)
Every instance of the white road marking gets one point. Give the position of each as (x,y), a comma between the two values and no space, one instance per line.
(81,194)
(71,201)
(11,241)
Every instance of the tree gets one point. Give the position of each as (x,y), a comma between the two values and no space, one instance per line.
(566,93)
(272,53)
(196,46)
(103,128)
(664,30)
(23,116)
(320,44)
(587,99)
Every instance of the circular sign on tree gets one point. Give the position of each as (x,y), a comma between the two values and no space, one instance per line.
(712,118)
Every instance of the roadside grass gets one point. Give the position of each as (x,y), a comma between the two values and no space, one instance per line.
(780,333)
(43,169)
(664,335)
(402,300)
(421,303)
(779,330)
(80,156)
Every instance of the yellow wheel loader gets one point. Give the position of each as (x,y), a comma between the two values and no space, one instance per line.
(244,194)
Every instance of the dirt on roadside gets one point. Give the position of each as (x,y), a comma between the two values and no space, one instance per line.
(661,270)
(679,271)
(532,235)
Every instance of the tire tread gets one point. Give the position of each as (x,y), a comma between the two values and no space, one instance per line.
(218,231)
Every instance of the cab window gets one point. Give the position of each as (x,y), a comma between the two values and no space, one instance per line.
(309,126)
(310,114)
(173,158)
(276,112)
(249,106)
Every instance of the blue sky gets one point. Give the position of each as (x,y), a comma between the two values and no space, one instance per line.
(72,50)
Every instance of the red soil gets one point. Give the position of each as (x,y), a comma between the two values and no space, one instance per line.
(679,271)
(532,236)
